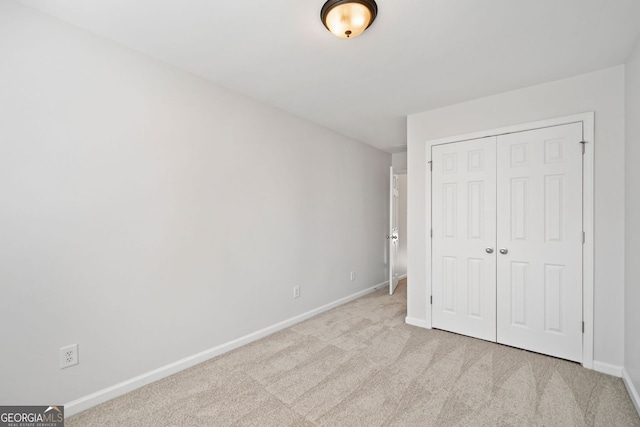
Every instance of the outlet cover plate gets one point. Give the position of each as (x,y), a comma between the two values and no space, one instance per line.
(69,356)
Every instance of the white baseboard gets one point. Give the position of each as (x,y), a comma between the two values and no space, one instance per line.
(633,392)
(404,276)
(86,402)
(607,368)
(416,322)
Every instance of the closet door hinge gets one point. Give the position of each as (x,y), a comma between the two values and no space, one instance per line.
(430,165)
(431,300)
(432,233)
(583,143)
(583,327)
(584,237)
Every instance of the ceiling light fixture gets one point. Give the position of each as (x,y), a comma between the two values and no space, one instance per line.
(348,18)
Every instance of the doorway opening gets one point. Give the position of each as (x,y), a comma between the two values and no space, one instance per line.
(397,235)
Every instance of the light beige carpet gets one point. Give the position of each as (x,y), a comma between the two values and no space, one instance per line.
(361,365)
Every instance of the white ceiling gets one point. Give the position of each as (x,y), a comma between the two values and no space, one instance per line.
(417,55)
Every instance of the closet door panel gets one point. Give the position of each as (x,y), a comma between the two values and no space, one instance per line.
(463,205)
(539,239)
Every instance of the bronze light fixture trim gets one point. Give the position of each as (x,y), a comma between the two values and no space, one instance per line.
(348,18)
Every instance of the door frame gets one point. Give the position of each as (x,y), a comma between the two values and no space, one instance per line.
(588,125)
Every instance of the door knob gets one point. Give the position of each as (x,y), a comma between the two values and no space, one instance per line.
(504,251)
(489,250)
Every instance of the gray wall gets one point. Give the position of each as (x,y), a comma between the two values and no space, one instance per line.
(632,223)
(399,161)
(148,215)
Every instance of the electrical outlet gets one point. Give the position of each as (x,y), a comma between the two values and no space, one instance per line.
(353,276)
(296,291)
(68,356)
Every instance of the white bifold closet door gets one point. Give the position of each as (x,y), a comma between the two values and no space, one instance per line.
(507,239)
(464,218)
(540,225)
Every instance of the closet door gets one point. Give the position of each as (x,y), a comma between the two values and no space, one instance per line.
(464,233)
(539,252)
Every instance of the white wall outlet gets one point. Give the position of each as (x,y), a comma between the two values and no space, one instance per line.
(353,276)
(69,356)
(296,291)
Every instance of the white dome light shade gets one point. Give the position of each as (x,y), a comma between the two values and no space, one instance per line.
(348,18)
